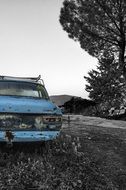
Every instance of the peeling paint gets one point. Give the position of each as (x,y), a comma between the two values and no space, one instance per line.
(9,136)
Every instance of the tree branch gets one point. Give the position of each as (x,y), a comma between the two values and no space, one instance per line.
(105,10)
(89,32)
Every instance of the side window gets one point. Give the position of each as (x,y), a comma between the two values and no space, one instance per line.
(42,91)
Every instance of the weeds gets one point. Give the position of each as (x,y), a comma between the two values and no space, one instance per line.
(64,164)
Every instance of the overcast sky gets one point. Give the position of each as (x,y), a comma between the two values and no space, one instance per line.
(32,42)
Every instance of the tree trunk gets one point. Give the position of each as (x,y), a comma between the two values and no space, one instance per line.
(122,62)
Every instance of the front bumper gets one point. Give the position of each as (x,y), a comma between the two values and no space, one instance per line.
(29,136)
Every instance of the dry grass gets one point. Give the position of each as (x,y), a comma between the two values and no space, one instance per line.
(95,160)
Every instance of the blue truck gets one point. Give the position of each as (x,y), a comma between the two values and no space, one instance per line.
(26,112)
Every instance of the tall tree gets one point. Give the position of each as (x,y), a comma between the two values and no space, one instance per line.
(106,85)
(98,25)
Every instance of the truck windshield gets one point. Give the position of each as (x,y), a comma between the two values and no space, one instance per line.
(27,89)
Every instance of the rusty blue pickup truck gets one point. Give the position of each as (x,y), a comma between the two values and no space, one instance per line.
(26,112)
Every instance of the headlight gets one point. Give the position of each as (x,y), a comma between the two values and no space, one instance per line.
(48,122)
(39,122)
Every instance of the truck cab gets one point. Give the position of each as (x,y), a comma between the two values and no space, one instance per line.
(26,111)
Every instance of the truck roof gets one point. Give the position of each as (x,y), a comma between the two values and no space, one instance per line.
(24,79)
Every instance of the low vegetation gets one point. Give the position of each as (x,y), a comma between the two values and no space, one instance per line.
(95,160)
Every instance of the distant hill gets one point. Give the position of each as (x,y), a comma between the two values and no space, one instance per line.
(59,100)
(74,104)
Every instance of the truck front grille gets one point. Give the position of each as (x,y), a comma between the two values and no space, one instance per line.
(10,121)
(29,122)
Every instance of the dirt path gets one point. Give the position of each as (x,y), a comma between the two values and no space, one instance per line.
(84,126)
(94,121)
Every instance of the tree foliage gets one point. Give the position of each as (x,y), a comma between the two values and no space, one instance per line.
(98,25)
(78,105)
(106,84)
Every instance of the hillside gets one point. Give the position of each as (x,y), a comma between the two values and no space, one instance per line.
(60,99)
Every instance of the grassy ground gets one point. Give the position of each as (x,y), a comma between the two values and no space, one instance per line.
(83,157)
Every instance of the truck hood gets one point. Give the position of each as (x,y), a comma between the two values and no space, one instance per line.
(28,105)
